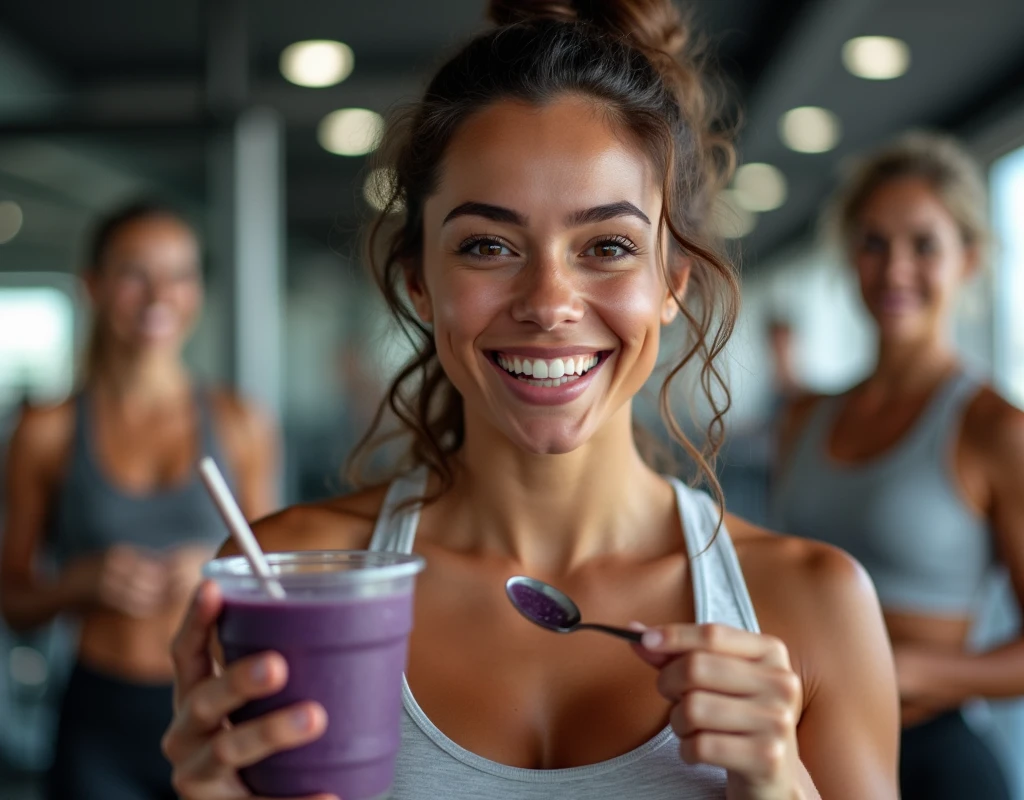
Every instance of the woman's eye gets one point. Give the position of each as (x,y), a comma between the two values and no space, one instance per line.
(487,248)
(609,249)
(925,246)
(873,244)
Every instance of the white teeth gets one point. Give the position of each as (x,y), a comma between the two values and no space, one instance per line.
(549,372)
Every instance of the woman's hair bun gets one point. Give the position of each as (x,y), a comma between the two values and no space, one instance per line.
(652,25)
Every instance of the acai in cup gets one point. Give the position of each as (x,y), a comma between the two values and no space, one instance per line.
(343,626)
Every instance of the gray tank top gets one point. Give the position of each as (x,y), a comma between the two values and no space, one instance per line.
(432,765)
(900,514)
(91,514)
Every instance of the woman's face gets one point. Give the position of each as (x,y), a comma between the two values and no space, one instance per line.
(541,271)
(910,259)
(147,291)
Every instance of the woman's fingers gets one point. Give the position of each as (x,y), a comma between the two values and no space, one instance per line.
(253,741)
(700,711)
(700,670)
(209,703)
(190,651)
(219,759)
(714,638)
(757,758)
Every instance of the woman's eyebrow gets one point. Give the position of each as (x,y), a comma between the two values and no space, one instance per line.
(605,212)
(586,216)
(487,211)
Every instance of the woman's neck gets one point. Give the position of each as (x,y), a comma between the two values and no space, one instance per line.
(146,380)
(550,513)
(912,366)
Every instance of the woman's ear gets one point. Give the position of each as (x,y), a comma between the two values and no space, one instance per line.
(418,294)
(678,276)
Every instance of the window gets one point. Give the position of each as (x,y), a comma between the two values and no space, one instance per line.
(1007,182)
(37,343)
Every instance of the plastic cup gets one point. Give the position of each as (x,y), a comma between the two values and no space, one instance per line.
(343,627)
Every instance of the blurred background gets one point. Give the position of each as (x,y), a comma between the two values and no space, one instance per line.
(228,110)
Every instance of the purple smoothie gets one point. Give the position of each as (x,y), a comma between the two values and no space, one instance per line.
(346,649)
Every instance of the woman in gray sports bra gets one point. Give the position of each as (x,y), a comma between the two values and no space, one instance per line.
(918,472)
(103,484)
(541,260)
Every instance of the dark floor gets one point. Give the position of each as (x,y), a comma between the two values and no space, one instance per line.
(20,785)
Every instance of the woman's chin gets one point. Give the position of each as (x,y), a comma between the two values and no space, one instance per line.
(548,439)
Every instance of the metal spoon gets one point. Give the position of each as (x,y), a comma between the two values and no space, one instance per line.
(549,608)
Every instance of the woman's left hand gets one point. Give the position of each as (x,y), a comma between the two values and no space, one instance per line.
(921,697)
(735,704)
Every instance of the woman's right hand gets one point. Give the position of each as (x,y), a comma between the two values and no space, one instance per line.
(122,578)
(204,749)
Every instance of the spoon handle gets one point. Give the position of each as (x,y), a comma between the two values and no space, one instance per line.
(622,633)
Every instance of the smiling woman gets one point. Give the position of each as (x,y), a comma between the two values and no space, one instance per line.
(104,482)
(554,184)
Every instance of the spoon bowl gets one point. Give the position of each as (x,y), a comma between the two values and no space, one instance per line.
(551,609)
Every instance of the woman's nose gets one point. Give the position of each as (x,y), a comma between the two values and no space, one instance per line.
(547,296)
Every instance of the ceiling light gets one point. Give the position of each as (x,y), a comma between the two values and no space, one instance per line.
(317,63)
(809,129)
(350,131)
(759,187)
(729,219)
(378,188)
(10,220)
(877,58)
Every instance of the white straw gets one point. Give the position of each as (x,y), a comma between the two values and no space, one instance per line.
(235,520)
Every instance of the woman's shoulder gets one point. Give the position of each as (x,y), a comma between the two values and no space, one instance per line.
(43,433)
(341,523)
(804,591)
(992,420)
(795,568)
(245,430)
(235,414)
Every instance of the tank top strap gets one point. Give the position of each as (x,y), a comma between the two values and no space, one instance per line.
(395,529)
(209,441)
(940,423)
(81,457)
(719,589)
(812,441)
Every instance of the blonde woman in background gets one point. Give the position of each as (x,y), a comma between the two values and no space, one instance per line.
(918,471)
(105,483)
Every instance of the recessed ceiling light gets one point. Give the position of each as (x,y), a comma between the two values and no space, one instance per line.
(809,129)
(759,187)
(317,62)
(729,219)
(350,131)
(11,218)
(877,58)
(378,188)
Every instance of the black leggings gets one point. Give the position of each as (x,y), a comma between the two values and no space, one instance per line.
(944,759)
(108,740)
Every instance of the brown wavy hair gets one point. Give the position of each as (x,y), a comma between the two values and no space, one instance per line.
(639,61)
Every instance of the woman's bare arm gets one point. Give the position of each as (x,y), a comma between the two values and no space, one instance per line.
(822,604)
(944,679)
